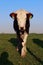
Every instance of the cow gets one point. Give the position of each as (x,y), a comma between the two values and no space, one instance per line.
(21,25)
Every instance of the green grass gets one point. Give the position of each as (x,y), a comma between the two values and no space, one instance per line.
(9,55)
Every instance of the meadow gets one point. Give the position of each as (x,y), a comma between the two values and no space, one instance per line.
(9,55)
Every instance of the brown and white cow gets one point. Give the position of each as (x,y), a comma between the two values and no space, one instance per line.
(21,26)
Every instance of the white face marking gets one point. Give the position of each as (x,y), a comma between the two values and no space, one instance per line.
(21,18)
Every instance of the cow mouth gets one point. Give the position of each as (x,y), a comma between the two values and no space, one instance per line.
(22,32)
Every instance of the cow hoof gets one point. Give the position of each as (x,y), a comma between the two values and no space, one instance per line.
(17,49)
(23,54)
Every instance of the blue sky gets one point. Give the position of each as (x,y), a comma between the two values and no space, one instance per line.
(33,6)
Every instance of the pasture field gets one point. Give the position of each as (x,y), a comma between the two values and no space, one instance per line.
(9,55)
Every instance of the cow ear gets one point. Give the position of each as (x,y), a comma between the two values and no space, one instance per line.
(13,15)
(29,15)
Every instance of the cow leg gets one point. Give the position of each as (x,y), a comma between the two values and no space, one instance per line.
(19,45)
(23,51)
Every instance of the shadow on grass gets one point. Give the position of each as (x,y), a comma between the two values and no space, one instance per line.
(38,59)
(16,43)
(38,42)
(4,59)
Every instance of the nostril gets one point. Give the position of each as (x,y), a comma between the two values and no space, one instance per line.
(21,28)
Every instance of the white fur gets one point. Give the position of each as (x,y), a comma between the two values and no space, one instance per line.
(23,51)
(25,38)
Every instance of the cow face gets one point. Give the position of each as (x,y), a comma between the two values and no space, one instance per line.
(21,17)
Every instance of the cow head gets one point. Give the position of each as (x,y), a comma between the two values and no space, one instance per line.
(21,16)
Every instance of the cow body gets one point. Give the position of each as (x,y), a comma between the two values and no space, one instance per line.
(21,26)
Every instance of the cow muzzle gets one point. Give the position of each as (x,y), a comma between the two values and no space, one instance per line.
(22,30)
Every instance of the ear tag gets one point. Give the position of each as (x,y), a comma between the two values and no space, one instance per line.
(13,17)
(30,17)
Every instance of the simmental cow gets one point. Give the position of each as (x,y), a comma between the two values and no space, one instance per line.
(21,26)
